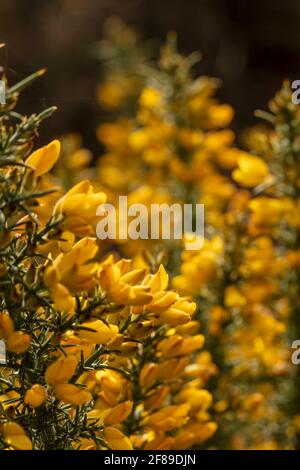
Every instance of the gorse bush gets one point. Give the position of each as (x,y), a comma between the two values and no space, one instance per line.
(99,353)
(106,352)
(175,146)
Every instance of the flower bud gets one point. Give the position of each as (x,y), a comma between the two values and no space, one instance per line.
(35,396)
(43,159)
(148,375)
(98,332)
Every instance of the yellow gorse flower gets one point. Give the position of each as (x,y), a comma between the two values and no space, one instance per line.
(35,396)
(251,171)
(15,436)
(61,370)
(43,159)
(79,208)
(97,332)
(69,393)
(70,273)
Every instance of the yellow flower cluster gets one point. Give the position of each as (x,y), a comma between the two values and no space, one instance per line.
(174,146)
(99,352)
(105,352)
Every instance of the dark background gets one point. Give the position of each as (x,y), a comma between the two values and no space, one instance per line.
(252,45)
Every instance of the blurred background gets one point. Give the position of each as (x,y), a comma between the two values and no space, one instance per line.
(252,45)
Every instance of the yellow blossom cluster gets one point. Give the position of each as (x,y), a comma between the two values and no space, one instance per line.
(107,352)
(174,145)
(99,354)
